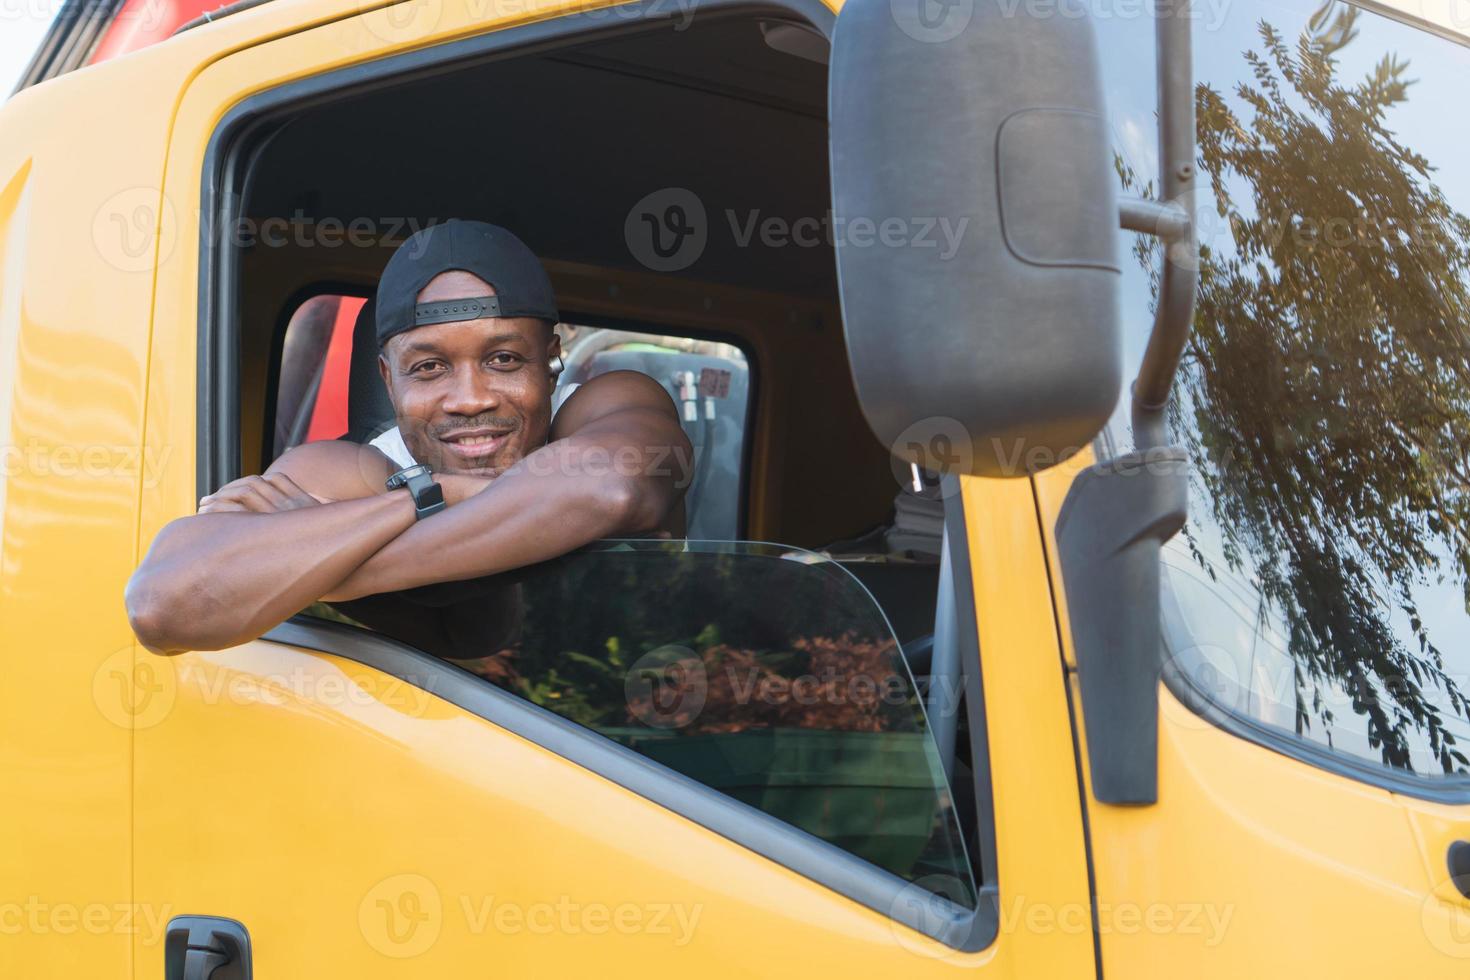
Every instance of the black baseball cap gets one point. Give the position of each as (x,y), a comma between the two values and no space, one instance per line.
(488,251)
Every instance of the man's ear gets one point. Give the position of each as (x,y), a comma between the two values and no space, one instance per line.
(385,373)
(553,355)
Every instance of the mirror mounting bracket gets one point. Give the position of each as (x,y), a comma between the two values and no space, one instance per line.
(1110,535)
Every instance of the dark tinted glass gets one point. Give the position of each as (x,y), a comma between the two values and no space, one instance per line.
(1321,583)
(767,673)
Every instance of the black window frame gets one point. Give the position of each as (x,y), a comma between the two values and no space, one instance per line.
(227,166)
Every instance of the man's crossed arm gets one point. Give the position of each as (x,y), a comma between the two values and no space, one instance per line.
(319,524)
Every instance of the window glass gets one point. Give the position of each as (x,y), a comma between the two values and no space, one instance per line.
(709,381)
(1321,582)
(765,672)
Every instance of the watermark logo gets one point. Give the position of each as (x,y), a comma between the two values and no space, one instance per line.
(36,916)
(135,230)
(568,917)
(936,904)
(45,460)
(148,16)
(941,233)
(135,694)
(142,693)
(667,687)
(396,21)
(1446,923)
(927,907)
(932,21)
(405,915)
(1207,922)
(667,231)
(938,444)
(401,916)
(1208,676)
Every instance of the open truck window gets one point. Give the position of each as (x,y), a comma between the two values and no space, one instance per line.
(786,655)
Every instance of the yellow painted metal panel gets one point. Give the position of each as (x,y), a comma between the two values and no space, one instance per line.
(75,290)
(1255,864)
(362,827)
(1446,911)
(1040,847)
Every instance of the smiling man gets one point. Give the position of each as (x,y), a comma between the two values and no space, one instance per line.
(481,475)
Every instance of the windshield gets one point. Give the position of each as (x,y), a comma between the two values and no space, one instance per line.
(1321,582)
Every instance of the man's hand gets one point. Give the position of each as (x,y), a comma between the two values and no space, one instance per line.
(268,494)
(263,547)
(617,465)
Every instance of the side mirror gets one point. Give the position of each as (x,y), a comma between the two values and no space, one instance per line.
(975,211)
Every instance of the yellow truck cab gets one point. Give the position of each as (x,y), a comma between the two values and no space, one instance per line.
(1078,571)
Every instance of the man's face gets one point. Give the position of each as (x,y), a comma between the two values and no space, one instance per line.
(472,396)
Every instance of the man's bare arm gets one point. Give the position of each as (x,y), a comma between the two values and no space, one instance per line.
(214,580)
(618,465)
(263,547)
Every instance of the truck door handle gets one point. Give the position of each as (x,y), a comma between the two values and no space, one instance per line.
(1459,862)
(206,947)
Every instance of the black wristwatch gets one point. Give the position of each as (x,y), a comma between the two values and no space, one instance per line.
(428,496)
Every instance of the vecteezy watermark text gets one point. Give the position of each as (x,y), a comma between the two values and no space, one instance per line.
(35,915)
(669,230)
(941,233)
(67,460)
(403,916)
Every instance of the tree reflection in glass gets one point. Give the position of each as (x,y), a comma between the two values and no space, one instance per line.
(1325,394)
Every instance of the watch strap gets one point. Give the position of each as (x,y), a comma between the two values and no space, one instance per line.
(427,494)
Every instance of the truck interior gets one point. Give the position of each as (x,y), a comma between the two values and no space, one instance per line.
(561,145)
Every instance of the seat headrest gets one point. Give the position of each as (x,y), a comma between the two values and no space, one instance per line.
(369,411)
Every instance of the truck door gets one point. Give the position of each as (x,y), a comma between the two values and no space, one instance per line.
(75,289)
(1313,796)
(621,795)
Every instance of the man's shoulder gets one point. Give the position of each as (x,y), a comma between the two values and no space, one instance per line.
(606,394)
(336,469)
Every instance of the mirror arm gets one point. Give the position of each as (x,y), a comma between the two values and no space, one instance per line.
(1110,534)
(1164,220)
(1179,274)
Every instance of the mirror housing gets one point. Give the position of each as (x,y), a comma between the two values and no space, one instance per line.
(975,215)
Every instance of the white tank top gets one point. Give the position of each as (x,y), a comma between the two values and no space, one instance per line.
(391,443)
